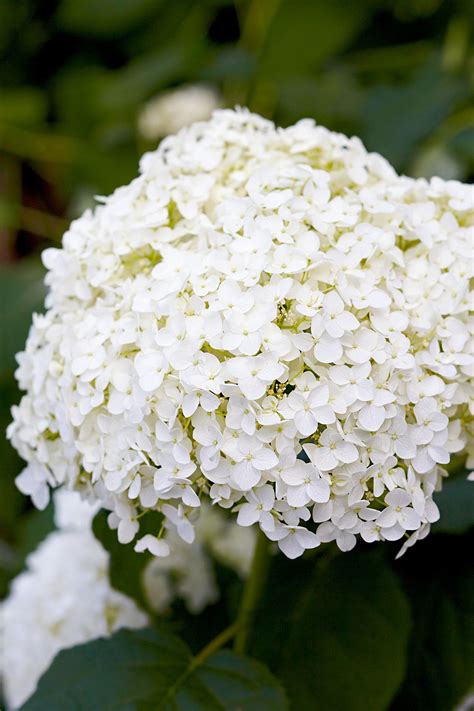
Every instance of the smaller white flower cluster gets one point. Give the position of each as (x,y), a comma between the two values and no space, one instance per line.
(467,704)
(187,572)
(172,110)
(269,319)
(64,597)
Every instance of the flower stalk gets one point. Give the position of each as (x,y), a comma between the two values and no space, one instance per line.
(252,593)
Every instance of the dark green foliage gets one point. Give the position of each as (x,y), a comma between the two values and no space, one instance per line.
(309,33)
(440,586)
(21,292)
(456,505)
(152,669)
(336,631)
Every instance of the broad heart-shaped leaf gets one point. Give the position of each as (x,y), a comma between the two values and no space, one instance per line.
(126,565)
(151,669)
(438,576)
(347,636)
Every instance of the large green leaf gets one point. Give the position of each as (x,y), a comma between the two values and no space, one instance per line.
(347,638)
(305,33)
(125,565)
(423,102)
(438,576)
(147,670)
(319,97)
(456,505)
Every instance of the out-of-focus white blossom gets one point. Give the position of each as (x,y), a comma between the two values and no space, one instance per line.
(188,571)
(230,544)
(71,512)
(437,160)
(172,110)
(269,319)
(467,704)
(64,597)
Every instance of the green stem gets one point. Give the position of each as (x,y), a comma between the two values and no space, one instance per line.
(456,43)
(215,644)
(252,593)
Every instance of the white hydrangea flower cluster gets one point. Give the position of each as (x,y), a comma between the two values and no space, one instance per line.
(268,318)
(64,598)
(171,110)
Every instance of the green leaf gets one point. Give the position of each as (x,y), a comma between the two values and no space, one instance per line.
(346,648)
(456,505)
(462,143)
(147,74)
(102,168)
(106,18)
(423,102)
(230,63)
(287,580)
(320,98)
(147,670)
(240,683)
(24,106)
(21,293)
(126,566)
(305,33)
(461,147)
(11,500)
(77,97)
(439,579)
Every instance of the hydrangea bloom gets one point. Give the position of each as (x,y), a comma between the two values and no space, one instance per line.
(268,318)
(64,598)
(173,109)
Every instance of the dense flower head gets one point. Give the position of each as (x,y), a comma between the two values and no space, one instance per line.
(270,319)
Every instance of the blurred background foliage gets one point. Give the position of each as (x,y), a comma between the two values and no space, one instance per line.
(75,76)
